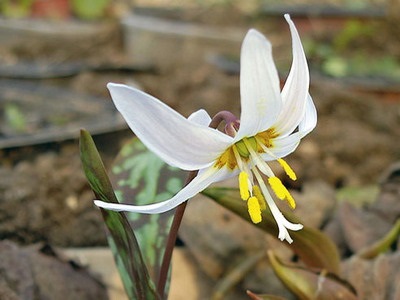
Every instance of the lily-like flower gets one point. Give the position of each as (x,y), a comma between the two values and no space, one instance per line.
(271,125)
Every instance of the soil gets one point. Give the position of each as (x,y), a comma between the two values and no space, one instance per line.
(44,196)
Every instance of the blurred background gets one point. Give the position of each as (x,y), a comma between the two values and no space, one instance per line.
(56,57)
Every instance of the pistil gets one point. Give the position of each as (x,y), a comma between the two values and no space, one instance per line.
(232,123)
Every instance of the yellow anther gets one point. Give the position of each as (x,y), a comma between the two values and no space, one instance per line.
(289,171)
(290,200)
(278,187)
(254,210)
(281,191)
(260,197)
(244,185)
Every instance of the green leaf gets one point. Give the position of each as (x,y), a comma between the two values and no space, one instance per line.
(313,247)
(306,284)
(122,240)
(335,66)
(263,296)
(16,9)
(381,245)
(15,119)
(140,177)
(89,9)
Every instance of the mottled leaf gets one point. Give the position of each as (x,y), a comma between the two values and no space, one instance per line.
(312,246)
(306,284)
(122,239)
(139,178)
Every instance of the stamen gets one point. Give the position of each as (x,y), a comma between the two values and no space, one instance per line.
(278,187)
(290,200)
(281,191)
(261,164)
(261,200)
(278,216)
(264,147)
(254,210)
(289,171)
(238,157)
(266,137)
(244,185)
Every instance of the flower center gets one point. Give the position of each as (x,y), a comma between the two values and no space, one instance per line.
(258,143)
(242,149)
(246,155)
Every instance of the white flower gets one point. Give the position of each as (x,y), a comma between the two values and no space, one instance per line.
(272,122)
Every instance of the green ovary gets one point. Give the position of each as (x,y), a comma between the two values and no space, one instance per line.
(242,149)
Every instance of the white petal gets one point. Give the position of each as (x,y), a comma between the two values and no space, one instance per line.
(259,86)
(295,91)
(176,140)
(200,117)
(199,183)
(310,118)
(283,146)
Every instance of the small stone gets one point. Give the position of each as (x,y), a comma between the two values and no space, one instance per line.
(36,272)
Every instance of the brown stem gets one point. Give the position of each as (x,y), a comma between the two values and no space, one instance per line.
(231,121)
(173,233)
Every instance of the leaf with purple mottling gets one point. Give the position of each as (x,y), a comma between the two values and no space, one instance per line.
(122,240)
(140,178)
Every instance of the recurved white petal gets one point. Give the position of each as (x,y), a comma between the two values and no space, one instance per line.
(200,117)
(199,183)
(259,86)
(175,139)
(282,147)
(310,118)
(295,91)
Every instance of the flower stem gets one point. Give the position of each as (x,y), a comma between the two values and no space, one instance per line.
(231,120)
(180,210)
